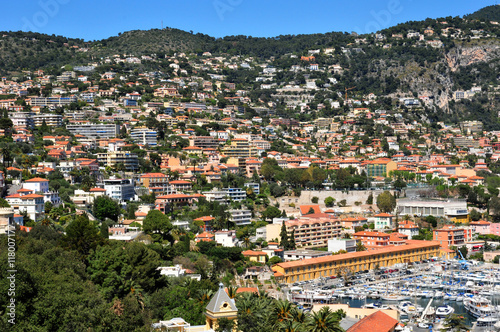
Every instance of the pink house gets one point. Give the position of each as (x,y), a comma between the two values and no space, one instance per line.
(495,229)
(482,227)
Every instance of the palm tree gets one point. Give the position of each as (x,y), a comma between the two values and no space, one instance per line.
(46,221)
(299,315)
(205,295)
(324,320)
(231,291)
(283,310)
(290,326)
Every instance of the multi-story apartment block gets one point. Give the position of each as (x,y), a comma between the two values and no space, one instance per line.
(51,120)
(236,194)
(119,189)
(22,119)
(154,180)
(205,142)
(240,217)
(372,239)
(144,136)
(450,235)
(380,167)
(95,130)
(181,185)
(313,232)
(226,238)
(239,148)
(51,101)
(216,195)
(454,210)
(114,158)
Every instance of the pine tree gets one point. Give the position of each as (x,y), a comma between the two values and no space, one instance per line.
(284,237)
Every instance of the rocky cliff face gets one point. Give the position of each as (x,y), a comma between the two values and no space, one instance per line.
(462,56)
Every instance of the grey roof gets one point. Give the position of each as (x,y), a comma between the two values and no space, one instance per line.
(347,322)
(219,298)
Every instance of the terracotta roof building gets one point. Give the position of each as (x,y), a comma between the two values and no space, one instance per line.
(378,321)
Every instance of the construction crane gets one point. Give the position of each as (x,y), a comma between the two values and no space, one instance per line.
(347,89)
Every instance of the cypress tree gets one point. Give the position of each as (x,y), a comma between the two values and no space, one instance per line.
(291,240)
(284,237)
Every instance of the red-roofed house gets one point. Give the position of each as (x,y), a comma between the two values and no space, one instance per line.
(37,184)
(181,185)
(33,204)
(376,322)
(255,256)
(205,236)
(305,209)
(408,228)
(207,220)
(480,227)
(383,221)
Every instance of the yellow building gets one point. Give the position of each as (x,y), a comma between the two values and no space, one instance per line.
(239,148)
(255,256)
(220,306)
(326,266)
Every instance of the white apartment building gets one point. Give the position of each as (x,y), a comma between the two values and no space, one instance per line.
(51,120)
(240,217)
(119,189)
(95,130)
(144,136)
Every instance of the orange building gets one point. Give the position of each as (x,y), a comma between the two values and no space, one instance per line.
(370,239)
(326,266)
(450,235)
(149,180)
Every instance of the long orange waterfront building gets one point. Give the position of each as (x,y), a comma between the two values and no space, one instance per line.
(326,266)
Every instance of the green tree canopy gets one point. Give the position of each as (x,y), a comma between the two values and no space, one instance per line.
(105,207)
(157,225)
(386,202)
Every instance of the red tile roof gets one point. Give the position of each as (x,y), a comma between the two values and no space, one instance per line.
(253,253)
(304,209)
(378,321)
(37,180)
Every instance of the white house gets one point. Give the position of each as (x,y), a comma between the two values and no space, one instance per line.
(226,238)
(177,271)
(33,204)
(409,228)
(40,185)
(37,185)
(383,221)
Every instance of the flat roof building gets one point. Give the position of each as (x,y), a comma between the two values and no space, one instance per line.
(454,210)
(95,130)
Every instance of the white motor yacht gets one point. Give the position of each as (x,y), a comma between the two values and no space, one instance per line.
(479,306)
(444,311)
